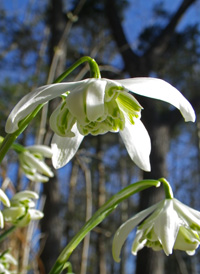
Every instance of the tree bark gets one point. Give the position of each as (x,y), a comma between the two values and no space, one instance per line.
(52,224)
(154,261)
(101,245)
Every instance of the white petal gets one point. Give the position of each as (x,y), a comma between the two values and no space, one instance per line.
(95,99)
(166,226)
(43,150)
(1,220)
(10,259)
(159,89)
(64,148)
(36,177)
(190,253)
(37,163)
(137,142)
(124,230)
(39,96)
(190,215)
(87,100)
(137,243)
(26,194)
(4,198)
(35,214)
(13,213)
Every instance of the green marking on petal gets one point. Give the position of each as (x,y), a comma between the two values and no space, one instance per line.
(195,226)
(112,93)
(62,121)
(128,102)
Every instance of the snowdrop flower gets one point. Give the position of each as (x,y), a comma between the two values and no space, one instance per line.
(4,199)
(33,165)
(96,106)
(6,260)
(21,211)
(166,225)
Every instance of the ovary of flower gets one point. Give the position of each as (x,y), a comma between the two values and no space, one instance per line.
(166,225)
(22,211)
(4,199)
(33,165)
(96,106)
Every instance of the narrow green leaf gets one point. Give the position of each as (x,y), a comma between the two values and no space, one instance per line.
(97,218)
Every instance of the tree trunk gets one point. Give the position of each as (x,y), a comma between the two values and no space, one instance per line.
(154,261)
(101,240)
(52,224)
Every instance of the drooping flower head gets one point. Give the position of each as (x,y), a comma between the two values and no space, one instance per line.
(96,106)
(166,225)
(22,210)
(33,165)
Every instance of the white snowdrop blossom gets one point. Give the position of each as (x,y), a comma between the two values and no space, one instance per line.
(96,106)
(33,165)
(6,202)
(166,225)
(6,260)
(22,210)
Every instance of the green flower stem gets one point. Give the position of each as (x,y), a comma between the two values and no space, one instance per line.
(17,147)
(94,69)
(167,188)
(10,138)
(97,218)
(7,232)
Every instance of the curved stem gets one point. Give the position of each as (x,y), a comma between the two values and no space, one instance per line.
(94,69)
(167,188)
(97,218)
(10,138)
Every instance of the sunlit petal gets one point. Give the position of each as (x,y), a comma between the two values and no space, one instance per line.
(35,214)
(123,231)
(1,220)
(39,96)
(36,177)
(187,240)
(45,151)
(138,244)
(4,199)
(9,259)
(33,161)
(191,216)
(159,89)
(137,143)
(64,148)
(95,99)
(166,226)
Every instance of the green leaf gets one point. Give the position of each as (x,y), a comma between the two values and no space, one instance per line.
(97,218)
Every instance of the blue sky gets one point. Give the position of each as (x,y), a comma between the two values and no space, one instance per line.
(139,14)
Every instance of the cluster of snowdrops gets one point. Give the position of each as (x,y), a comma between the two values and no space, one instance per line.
(97,106)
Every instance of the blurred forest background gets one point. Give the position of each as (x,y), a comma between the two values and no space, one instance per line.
(127,38)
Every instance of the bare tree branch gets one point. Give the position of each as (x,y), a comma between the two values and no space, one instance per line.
(161,42)
(141,65)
